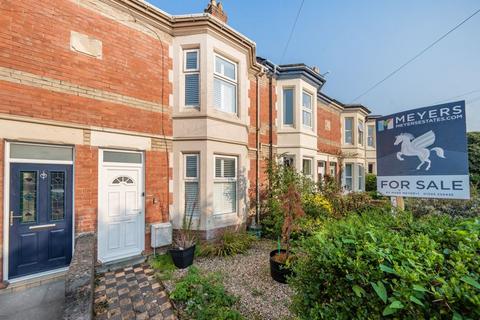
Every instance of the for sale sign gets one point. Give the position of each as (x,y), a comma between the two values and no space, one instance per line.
(423,153)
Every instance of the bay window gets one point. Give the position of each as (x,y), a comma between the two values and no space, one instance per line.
(225,85)
(307,167)
(191,68)
(361,179)
(370,136)
(348,176)
(348,130)
(307,109)
(360,132)
(288,106)
(191,184)
(225,185)
(333,169)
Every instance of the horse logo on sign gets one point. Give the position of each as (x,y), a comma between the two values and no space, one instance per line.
(411,146)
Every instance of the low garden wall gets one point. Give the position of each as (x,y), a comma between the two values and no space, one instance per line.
(79,281)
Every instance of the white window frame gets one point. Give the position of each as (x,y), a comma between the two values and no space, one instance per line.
(187,72)
(221,77)
(334,167)
(310,111)
(361,132)
(311,167)
(371,137)
(197,51)
(360,177)
(347,187)
(345,130)
(191,179)
(284,107)
(226,180)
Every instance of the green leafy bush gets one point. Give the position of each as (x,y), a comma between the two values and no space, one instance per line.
(229,244)
(370,182)
(163,266)
(453,208)
(204,297)
(473,139)
(377,265)
(316,205)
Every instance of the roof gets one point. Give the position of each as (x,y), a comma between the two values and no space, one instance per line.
(294,70)
(357,106)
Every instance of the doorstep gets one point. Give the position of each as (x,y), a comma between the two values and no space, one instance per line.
(34,281)
(119,264)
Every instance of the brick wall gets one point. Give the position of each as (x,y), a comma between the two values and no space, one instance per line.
(157,194)
(40,76)
(40,103)
(36,38)
(328,140)
(264,134)
(86,188)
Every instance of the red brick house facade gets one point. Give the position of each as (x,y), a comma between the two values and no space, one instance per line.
(111,119)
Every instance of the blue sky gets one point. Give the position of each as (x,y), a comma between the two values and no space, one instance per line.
(360,42)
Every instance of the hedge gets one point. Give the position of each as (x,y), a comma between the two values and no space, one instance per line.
(376,265)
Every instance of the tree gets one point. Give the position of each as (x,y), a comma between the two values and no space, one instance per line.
(473,139)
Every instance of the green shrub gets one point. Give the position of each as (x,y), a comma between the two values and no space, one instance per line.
(229,244)
(163,266)
(473,139)
(377,265)
(453,208)
(204,297)
(370,182)
(316,205)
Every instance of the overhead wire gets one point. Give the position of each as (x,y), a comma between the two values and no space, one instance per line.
(391,74)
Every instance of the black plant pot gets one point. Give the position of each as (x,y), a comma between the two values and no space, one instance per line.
(279,271)
(183,258)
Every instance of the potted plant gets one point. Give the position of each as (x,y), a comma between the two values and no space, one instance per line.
(183,250)
(292,210)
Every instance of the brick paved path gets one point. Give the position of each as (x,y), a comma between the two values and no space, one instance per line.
(131,293)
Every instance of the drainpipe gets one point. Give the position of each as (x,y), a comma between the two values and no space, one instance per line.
(258,145)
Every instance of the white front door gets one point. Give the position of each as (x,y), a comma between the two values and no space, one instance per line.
(121,215)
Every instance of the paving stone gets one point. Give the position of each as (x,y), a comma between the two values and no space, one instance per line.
(131,293)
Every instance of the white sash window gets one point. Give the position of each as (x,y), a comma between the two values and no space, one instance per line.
(307,109)
(191,177)
(191,69)
(225,185)
(225,85)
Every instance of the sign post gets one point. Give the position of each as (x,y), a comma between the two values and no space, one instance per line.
(423,153)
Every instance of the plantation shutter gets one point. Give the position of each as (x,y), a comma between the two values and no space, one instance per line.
(191,60)
(192,92)
(192,201)
(225,186)
(225,197)
(191,198)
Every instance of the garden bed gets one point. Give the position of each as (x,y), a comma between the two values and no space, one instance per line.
(247,276)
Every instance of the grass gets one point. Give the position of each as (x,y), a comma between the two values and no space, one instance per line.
(163,265)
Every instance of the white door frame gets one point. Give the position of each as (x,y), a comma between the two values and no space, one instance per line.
(101,176)
(6,202)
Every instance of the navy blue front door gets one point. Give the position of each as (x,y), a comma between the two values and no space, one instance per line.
(40,218)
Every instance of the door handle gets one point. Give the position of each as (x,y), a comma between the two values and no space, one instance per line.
(43,226)
(12,216)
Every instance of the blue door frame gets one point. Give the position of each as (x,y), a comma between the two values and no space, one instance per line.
(40,218)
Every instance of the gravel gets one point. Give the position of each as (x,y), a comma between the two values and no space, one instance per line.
(247,276)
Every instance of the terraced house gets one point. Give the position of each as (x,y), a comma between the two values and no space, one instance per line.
(116,116)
